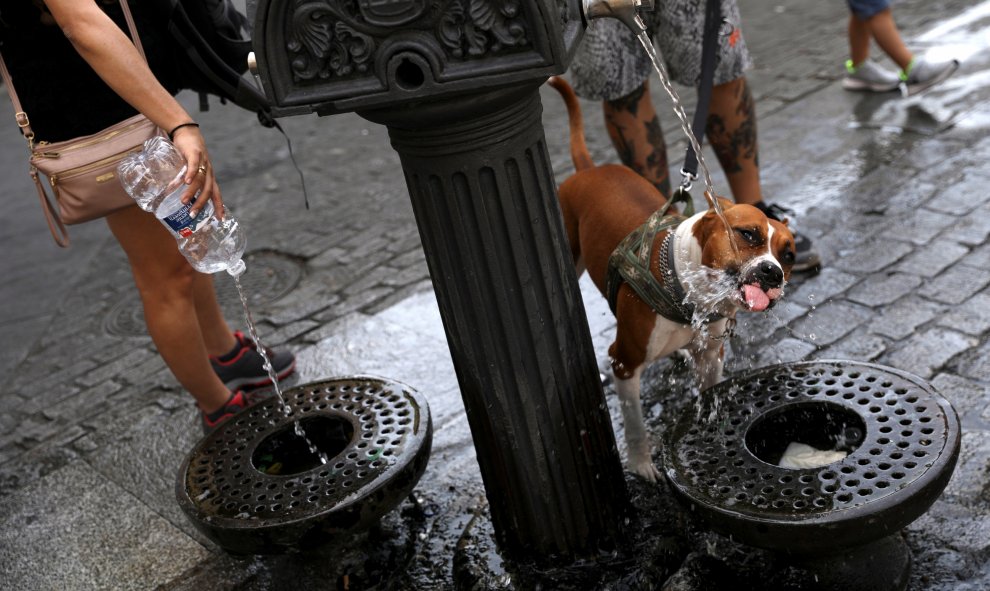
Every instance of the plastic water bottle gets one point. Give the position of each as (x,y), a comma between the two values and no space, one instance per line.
(153,177)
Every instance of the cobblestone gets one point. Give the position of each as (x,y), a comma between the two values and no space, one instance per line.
(829,283)
(957,285)
(972,229)
(971,476)
(920,227)
(875,256)
(930,262)
(928,351)
(90,402)
(116,367)
(976,363)
(900,320)
(829,322)
(858,345)
(968,397)
(879,290)
(962,196)
(971,317)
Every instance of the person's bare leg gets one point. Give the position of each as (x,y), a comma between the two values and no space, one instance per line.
(165,282)
(859,40)
(634,127)
(885,32)
(731,129)
(217,335)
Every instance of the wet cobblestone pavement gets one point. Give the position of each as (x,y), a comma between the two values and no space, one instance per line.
(894,191)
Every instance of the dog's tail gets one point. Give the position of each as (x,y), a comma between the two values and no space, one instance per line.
(579,149)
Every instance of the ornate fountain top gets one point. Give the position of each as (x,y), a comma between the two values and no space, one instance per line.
(332,56)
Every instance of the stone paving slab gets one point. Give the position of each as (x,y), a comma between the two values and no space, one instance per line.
(76,530)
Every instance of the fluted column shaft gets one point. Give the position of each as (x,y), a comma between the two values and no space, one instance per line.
(485,201)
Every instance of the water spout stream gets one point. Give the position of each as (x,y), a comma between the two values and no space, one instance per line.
(271,372)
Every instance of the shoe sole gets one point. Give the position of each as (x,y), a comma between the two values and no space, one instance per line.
(253,384)
(866,86)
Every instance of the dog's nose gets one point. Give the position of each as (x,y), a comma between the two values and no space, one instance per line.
(769,275)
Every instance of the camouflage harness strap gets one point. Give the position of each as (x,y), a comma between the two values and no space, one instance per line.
(630,263)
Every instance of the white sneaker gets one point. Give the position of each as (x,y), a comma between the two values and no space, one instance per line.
(923,74)
(869,76)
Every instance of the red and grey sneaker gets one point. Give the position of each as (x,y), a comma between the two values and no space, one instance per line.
(244,368)
(237,402)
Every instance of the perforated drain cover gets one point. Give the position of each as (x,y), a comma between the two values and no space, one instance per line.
(902,440)
(270,276)
(254,487)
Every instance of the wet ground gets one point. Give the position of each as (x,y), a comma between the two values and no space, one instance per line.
(893,190)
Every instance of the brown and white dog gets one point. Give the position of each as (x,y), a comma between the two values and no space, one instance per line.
(712,273)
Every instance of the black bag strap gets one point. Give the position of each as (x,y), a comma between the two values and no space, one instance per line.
(709,53)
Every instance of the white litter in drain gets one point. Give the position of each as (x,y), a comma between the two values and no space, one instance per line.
(800,455)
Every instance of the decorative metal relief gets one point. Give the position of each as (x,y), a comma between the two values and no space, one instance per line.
(479,27)
(328,39)
(391,13)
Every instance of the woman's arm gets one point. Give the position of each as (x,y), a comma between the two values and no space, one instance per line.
(112,55)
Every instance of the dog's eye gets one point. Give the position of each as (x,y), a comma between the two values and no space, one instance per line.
(750,236)
(787,257)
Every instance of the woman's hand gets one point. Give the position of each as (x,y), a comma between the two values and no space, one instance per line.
(200,175)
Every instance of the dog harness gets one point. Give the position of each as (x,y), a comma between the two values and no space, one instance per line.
(630,263)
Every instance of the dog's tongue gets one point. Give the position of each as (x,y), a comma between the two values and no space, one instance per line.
(755,298)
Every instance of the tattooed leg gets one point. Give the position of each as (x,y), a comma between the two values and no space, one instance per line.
(731,129)
(634,127)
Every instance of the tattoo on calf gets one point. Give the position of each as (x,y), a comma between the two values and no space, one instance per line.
(624,148)
(732,147)
(639,142)
(630,102)
(656,159)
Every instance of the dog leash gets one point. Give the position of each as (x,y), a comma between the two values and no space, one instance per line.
(709,49)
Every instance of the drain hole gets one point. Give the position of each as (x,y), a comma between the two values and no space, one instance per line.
(330,435)
(822,425)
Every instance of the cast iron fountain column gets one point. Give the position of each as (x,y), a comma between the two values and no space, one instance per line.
(483,192)
(457,84)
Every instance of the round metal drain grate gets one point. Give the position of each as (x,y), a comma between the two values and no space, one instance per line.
(902,440)
(270,276)
(254,487)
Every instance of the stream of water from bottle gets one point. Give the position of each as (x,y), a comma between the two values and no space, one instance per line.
(272,375)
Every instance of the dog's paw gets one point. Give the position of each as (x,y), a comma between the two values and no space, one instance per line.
(645,470)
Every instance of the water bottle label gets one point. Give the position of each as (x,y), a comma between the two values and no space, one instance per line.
(183,224)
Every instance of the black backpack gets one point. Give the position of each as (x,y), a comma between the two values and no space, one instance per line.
(211,41)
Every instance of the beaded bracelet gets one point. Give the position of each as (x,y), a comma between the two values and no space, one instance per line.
(171,134)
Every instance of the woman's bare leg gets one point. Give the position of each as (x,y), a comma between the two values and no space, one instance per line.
(217,335)
(165,282)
